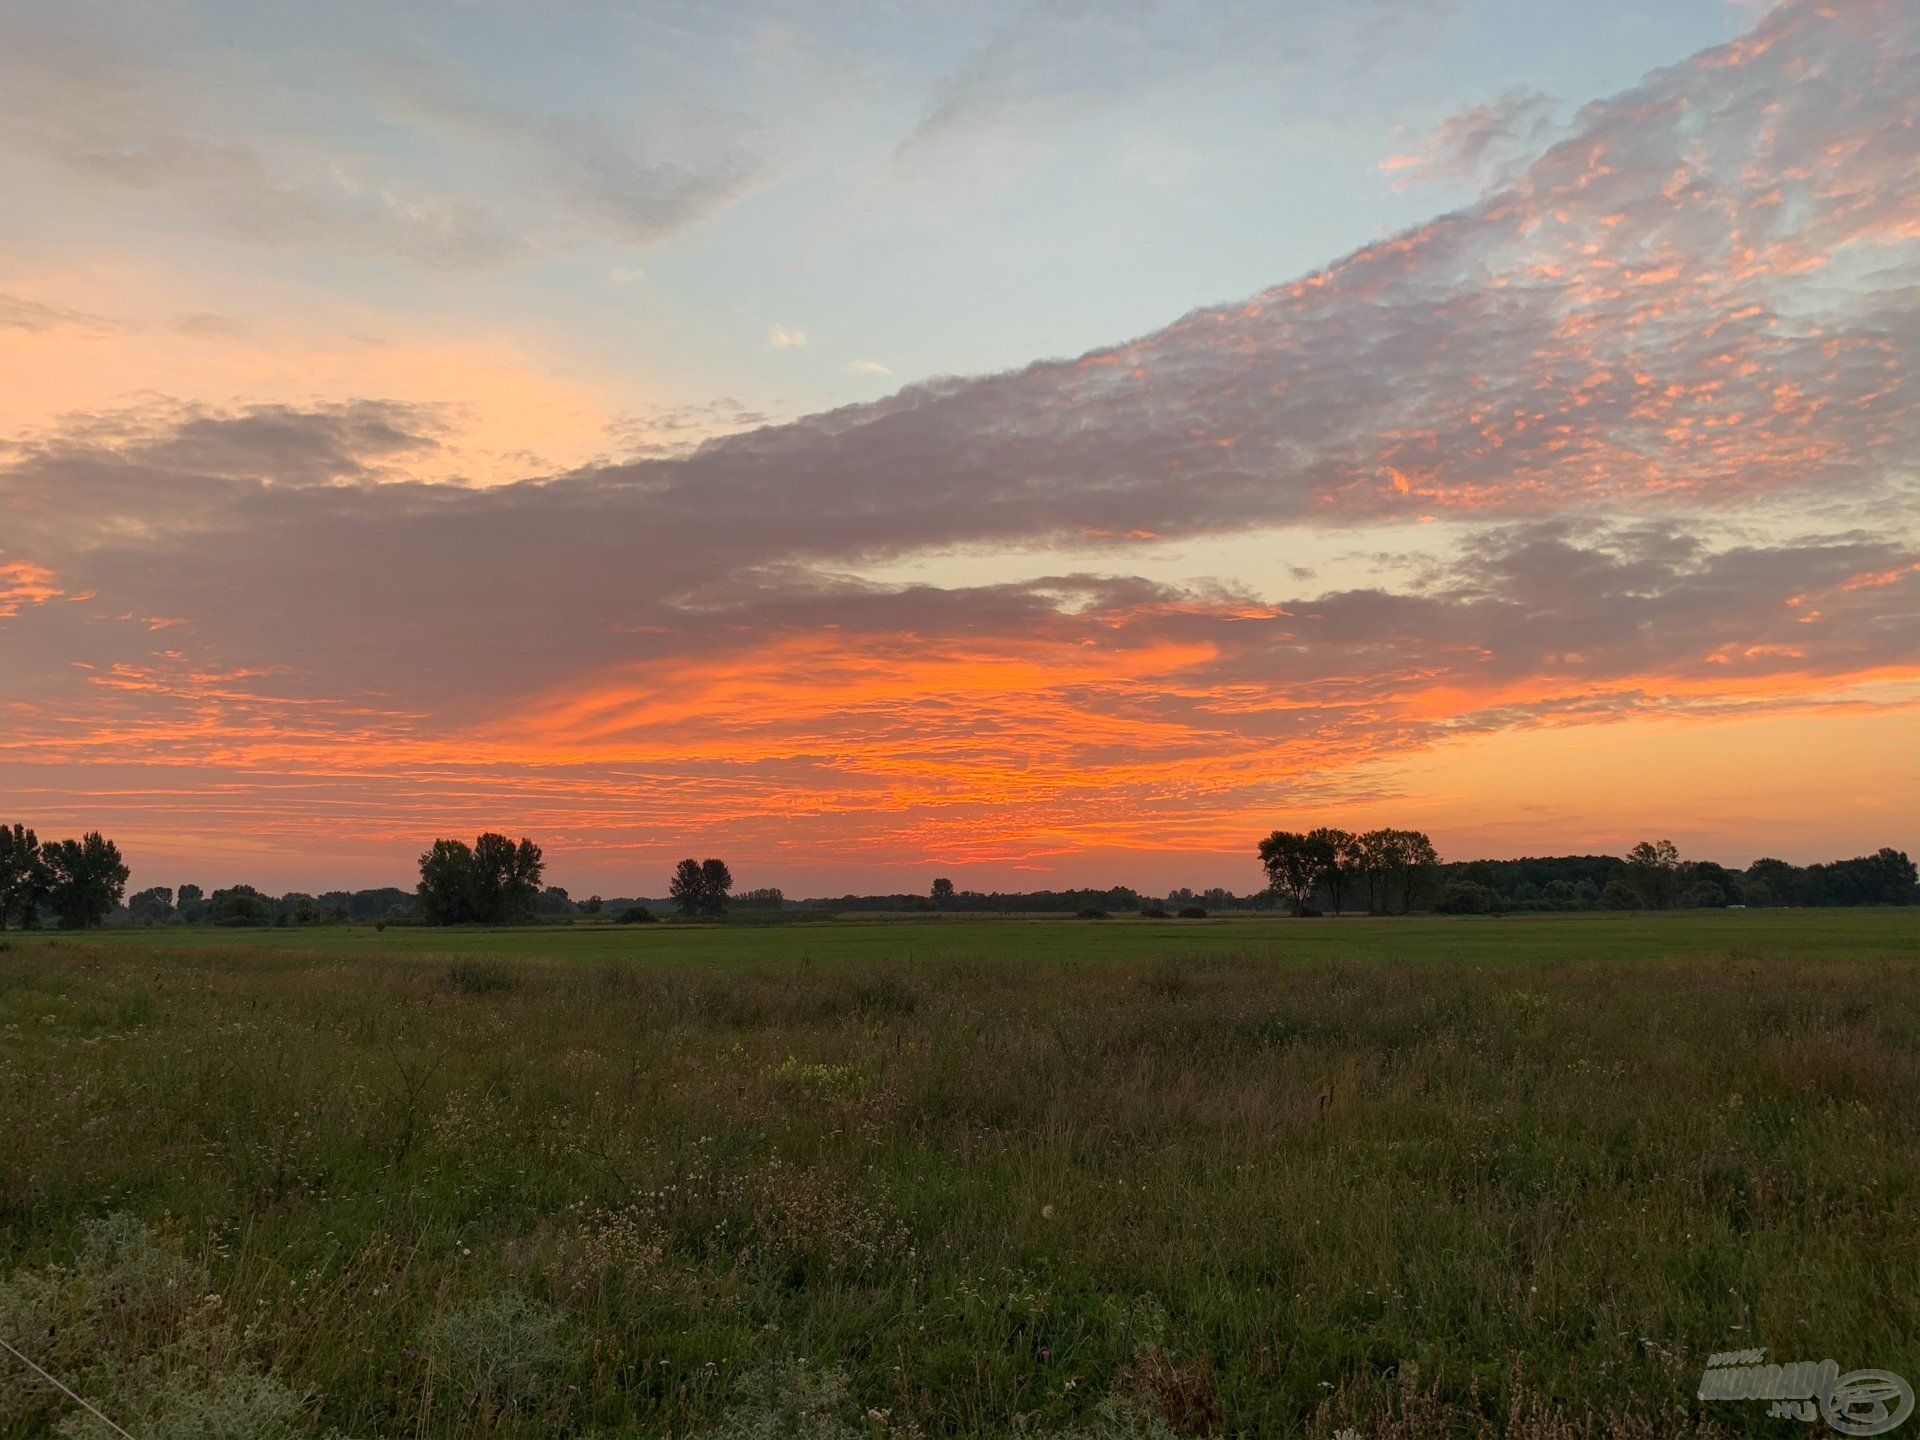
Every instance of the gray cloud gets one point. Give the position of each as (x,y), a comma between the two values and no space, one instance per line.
(1477,142)
(109,106)
(19,313)
(1061,61)
(648,180)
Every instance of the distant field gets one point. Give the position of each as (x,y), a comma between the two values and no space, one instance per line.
(956,1177)
(1588,936)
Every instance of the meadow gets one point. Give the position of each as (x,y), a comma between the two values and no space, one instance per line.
(1041,1177)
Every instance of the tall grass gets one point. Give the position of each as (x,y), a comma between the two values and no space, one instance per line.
(370,1195)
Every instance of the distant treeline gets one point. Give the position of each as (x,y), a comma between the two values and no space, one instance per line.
(1654,878)
(78,883)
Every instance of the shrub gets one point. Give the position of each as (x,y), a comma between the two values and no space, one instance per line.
(1093,912)
(1193,912)
(1619,895)
(1466,897)
(136,1327)
(1153,912)
(634,915)
(500,1351)
(785,1400)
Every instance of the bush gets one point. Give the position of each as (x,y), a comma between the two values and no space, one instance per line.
(1466,897)
(634,915)
(1093,912)
(499,1352)
(1153,912)
(1619,895)
(1193,912)
(137,1327)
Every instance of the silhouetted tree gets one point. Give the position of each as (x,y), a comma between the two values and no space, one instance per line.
(190,903)
(506,878)
(151,906)
(1410,859)
(446,882)
(715,881)
(1342,848)
(1654,866)
(1371,858)
(87,878)
(942,894)
(493,882)
(239,906)
(1295,865)
(688,888)
(23,876)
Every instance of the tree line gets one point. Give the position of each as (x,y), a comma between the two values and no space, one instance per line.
(1398,871)
(1654,876)
(495,880)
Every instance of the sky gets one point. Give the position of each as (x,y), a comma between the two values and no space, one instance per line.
(1036,444)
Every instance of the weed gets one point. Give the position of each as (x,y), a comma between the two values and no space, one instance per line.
(479,977)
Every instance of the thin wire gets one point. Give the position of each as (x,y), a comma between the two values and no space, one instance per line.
(51,1380)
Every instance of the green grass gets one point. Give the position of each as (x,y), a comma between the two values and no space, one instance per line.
(1251,1177)
(1607,936)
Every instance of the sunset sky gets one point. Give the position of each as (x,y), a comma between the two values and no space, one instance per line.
(1034,444)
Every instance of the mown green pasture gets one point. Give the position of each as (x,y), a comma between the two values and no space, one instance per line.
(956,1177)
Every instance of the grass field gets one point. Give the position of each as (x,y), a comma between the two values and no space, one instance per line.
(964,1177)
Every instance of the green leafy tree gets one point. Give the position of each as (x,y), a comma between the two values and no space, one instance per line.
(942,895)
(87,878)
(688,888)
(715,881)
(23,876)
